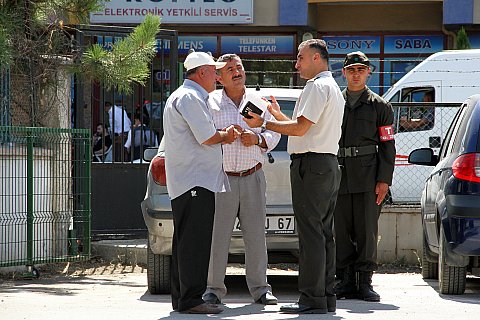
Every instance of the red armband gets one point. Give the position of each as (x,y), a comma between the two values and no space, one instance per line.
(386,133)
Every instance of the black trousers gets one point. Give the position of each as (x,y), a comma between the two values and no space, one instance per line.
(193,214)
(356,230)
(315,180)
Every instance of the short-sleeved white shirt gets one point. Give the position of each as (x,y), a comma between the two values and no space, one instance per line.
(188,123)
(120,125)
(322,103)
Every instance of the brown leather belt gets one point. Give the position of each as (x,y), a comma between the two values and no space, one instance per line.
(246,172)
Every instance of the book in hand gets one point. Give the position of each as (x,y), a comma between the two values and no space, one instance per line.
(253,103)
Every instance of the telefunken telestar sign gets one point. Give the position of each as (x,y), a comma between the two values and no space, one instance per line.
(176,11)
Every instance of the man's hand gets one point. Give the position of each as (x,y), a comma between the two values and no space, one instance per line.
(381,190)
(254,122)
(232,134)
(249,138)
(274,108)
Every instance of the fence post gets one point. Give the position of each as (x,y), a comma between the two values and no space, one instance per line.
(29,201)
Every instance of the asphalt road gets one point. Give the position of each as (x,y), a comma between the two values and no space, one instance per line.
(123,295)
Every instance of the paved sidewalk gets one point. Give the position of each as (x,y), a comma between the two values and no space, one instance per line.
(122,294)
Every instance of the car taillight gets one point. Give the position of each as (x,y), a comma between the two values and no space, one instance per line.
(467,167)
(157,168)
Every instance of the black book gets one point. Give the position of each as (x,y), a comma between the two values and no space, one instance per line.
(250,107)
(253,103)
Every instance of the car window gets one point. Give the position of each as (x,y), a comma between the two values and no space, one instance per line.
(448,141)
(287,107)
(459,137)
(416,118)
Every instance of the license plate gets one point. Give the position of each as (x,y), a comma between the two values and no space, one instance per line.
(274,225)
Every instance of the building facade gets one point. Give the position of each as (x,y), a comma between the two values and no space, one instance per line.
(396,35)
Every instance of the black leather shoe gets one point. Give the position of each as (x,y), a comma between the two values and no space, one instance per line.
(301,308)
(332,303)
(211,298)
(267,299)
(204,308)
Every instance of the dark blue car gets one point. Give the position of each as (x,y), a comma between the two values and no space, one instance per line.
(451,202)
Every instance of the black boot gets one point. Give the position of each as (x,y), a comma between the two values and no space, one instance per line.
(365,289)
(347,288)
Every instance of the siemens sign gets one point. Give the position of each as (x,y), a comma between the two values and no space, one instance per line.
(185,43)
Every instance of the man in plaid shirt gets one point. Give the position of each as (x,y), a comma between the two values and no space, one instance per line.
(242,162)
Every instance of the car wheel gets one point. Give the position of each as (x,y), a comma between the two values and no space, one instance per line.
(158,272)
(451,280)
(429,269)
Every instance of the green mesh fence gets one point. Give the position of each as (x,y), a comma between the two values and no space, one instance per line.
(45,195)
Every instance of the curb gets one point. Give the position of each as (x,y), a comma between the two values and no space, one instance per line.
(131,252)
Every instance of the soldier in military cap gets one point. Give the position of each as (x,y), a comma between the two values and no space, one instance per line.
(366,156)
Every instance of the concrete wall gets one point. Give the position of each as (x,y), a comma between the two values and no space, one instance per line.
(379,17)
(400,235)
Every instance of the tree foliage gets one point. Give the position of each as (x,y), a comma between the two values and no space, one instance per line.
(37,38)
(462,40)
(128,59)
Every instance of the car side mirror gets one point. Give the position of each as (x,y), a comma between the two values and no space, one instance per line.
(149,153)
(423,157)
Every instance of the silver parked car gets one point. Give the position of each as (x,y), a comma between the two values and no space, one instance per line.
(282,240)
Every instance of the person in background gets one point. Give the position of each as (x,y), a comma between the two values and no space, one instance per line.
(101,143)
(154,112)
(367,157)
(194,171)
(119,127)
(143,137)
(242,161)
(314,131)
(421,118)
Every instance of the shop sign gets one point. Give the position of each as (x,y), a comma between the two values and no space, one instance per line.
(413,44)
(197,43)
(346,44)
(176,11)
(258,45)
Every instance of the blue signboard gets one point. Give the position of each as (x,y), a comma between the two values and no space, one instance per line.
(197,43)
(258,45)
(413,44)
(346,44)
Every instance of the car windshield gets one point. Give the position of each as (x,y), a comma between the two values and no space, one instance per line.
(287,108)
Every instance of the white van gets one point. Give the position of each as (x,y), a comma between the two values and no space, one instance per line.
(446,77)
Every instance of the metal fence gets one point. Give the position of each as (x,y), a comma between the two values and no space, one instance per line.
(417,125)
(45,196)
(4,96)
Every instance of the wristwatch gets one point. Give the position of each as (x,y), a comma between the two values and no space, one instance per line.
(264,125)
(260,139)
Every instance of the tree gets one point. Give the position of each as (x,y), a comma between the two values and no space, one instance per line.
(462,40)
(37,41)
(128,60)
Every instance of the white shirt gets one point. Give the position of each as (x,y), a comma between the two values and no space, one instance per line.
(322,103)
(119,114)
(143,136)
(188,123)
(237,157)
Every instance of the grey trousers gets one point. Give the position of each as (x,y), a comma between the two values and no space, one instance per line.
(315,180)
(247,200)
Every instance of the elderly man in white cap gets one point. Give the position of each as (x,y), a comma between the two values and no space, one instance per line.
(193,163)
